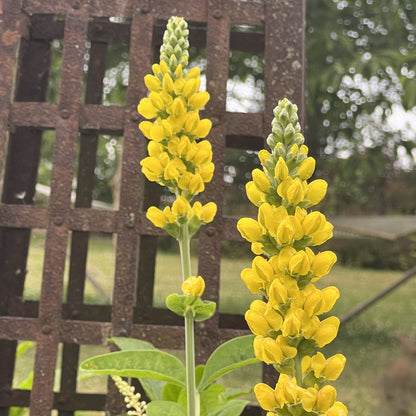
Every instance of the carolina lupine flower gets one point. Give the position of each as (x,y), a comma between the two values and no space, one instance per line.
(178,158)
(287,325)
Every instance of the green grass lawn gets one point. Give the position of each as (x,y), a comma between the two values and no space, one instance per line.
(380,343)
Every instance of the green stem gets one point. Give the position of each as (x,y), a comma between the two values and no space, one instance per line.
(298,370)
(192,393)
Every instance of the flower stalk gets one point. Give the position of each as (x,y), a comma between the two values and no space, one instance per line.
(181,160)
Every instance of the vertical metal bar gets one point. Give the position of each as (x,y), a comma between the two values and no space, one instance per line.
(217,52)
(41,400)
(131,189)
(79,241)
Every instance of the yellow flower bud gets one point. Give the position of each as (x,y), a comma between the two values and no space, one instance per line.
(326,398)
(313,302)
(196,184)
(164,67)
(145,127)
(277,293)
(156,100)
(284,256)
(299,264)
(192,120)
(178,86)
(251,280)
(285,233)
(318,363)
(193,286)
(338,409)
(309,397)
(313,222)
(274,318)
(147,109)
(181,207)
(152,82)
(281,170)
(207,212)
(156,216)
(167,83)
(263,269)
(334,367)
(323,263)
(326,331)
(193,73)
(331,295)
(291,326)
(288,350)
(265,396)
(264,156)
(204,127)
(156,69)
(198,100)
(154,149)
(179,71)
(316,191)
(261,180)
(257,322)
(323,234)
(249,229)
(178,108)
(157,133)
(151,168)
(254,194)
(306,168)
(206,172)
(191,87)
(295,192)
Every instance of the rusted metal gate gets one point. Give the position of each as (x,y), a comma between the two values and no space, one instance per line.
(27,28)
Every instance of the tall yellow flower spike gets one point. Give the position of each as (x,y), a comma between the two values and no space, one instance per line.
(287,326)
(178,158)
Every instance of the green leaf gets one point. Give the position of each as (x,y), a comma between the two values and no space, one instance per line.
(165,408)
(178,304)
(237,352)
(212,398)
(126,344)
(139,364)
(171,392)
(153,388)
(203,309)
(232,408)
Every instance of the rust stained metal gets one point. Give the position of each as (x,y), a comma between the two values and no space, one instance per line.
(49,321)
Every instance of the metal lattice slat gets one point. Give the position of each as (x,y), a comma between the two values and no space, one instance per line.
(27,30)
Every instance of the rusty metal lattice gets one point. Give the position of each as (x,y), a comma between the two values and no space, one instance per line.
(27,29)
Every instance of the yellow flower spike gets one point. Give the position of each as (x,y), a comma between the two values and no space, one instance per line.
(299,264)
(323,263)
(147,109)
(306,168)
(251,280)
(326,331)
(204,127)
(193,286)
(281,170)
(261,180)
(338,409)
(181,207)
(249,229)
(152,83)
(326,398)
(277,293)
(316,191)
(265,396)
(156,217)
(334,367)
(198,100)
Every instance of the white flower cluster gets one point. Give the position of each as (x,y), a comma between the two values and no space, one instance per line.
(132,399)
